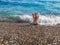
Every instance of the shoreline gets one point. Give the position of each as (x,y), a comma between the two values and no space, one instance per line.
(26,34)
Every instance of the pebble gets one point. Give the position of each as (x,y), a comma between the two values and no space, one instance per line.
(49,44)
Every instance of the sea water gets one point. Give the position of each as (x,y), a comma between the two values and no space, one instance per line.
(21,11)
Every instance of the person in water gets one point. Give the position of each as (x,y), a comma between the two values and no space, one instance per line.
(35,18)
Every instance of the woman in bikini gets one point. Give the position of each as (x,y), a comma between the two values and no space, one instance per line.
(35,18)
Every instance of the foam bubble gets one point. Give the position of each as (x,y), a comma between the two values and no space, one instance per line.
(26,18)
(43,20)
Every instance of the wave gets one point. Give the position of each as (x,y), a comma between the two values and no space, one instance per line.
(43,20)
(28,1)
(29,7)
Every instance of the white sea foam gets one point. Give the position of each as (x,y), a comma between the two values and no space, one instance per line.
(43,20)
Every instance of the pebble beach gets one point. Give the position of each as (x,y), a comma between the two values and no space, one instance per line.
(27,34)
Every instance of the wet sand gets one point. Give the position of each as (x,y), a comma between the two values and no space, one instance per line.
(27,34)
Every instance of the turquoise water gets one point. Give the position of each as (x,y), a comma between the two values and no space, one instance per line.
(22,9)
(43,7)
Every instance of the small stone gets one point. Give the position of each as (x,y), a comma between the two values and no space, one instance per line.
(1,39)
(54,43)
(59,40)
(15,38)
(49,44)
(11,41)
(2,44)
(6,42)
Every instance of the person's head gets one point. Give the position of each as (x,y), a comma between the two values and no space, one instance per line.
(32,13)
(37,14)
